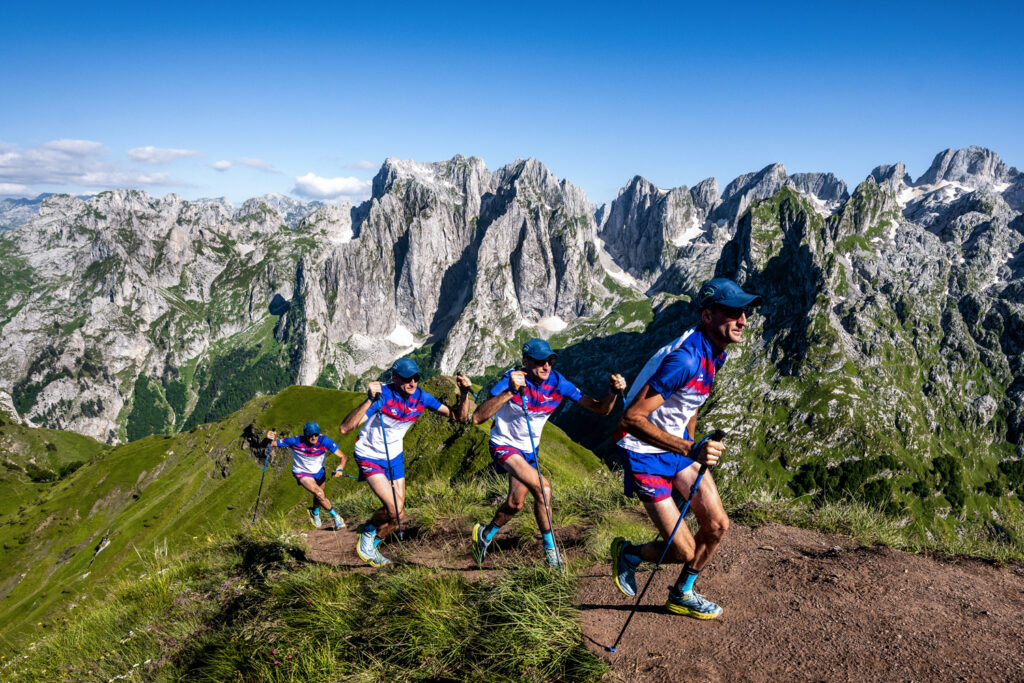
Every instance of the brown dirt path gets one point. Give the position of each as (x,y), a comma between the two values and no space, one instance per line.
(801,605)
(798,605)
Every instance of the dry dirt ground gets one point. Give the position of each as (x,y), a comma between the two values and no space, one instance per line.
(798,605)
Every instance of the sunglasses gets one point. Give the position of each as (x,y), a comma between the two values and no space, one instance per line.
(550,360)
(414,378)
(731,312)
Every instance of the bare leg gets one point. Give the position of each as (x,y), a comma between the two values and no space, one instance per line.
(384,518)
(523,478)
(319,498)
(710,513)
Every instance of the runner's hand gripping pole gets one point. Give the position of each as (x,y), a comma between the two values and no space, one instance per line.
(384,435)
(716,435)
(540,479)
(266,459)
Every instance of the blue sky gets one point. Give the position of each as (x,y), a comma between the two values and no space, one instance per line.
(208,99)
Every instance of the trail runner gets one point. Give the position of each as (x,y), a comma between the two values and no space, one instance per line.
(400,405)
(308,454)
(658,427)
(510,444)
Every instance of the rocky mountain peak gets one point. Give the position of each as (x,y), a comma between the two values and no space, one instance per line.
(974,167)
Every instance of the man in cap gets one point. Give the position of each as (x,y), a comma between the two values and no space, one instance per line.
(657,441)
(386,415)
(308,454)
(536,389)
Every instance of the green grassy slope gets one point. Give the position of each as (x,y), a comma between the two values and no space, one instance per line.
(160,495)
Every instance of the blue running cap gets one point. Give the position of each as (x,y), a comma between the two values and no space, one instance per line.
(538,349)
(310,428)
(405,367)
(725,292)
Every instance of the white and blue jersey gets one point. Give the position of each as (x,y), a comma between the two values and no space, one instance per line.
(398,414)
(683,373)
(307,458)
(510,426)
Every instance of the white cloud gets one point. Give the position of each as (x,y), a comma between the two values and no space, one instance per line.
(156,155)
(315,187)
(363,165)
(250,162)
(80,163)
(14,190)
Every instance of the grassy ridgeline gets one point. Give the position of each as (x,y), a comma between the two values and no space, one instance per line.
(65,541)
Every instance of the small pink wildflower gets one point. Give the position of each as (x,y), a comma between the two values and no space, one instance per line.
(276,662)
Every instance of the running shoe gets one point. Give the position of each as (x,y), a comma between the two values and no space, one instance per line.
(339,523)
(691,604)
(314,517)
(553,558)
(479,544)
(623,571)
(367,551)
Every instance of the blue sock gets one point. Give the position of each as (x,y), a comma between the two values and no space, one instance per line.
(686,579)
(369,529)
(316,510)
(490,531)
(333,513)
(549,540)
(631,555)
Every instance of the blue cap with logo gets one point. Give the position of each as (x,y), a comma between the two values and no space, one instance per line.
(405,367)
(310,428)
(725,292)
(538,349)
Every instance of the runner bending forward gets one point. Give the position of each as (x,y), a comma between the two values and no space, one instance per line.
(659,424)
(400,403)
(308,454)
(543,390)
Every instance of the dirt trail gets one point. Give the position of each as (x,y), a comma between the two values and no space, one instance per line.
(798,604)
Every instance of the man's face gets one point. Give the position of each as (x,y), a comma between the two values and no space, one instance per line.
(538,369)
(313,439)
(723,324)
(407,385)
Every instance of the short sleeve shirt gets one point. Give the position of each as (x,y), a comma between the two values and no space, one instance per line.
(684,379)
(510,426)
(398,414)
(307,458)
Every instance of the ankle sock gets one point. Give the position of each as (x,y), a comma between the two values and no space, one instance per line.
(316,510)
(684,584)
(549,539)
(489,532)
(333,513)
(369,529)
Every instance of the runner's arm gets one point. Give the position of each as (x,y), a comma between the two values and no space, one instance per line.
(486,410)
(635,422)
(603,407)
(358,414)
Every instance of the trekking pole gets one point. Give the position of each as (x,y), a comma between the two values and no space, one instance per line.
(716,435)
(394,496)
(540,479)
(256,505)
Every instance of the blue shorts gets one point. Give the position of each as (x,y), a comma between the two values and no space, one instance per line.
(502,453)
(320,477)
(648,476)
(370,466)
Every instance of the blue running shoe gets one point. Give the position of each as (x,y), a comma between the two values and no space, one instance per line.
(479,544)
(314,517)
(339,523)
(553,557)
(367,551)
(691,604)
(623,571)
